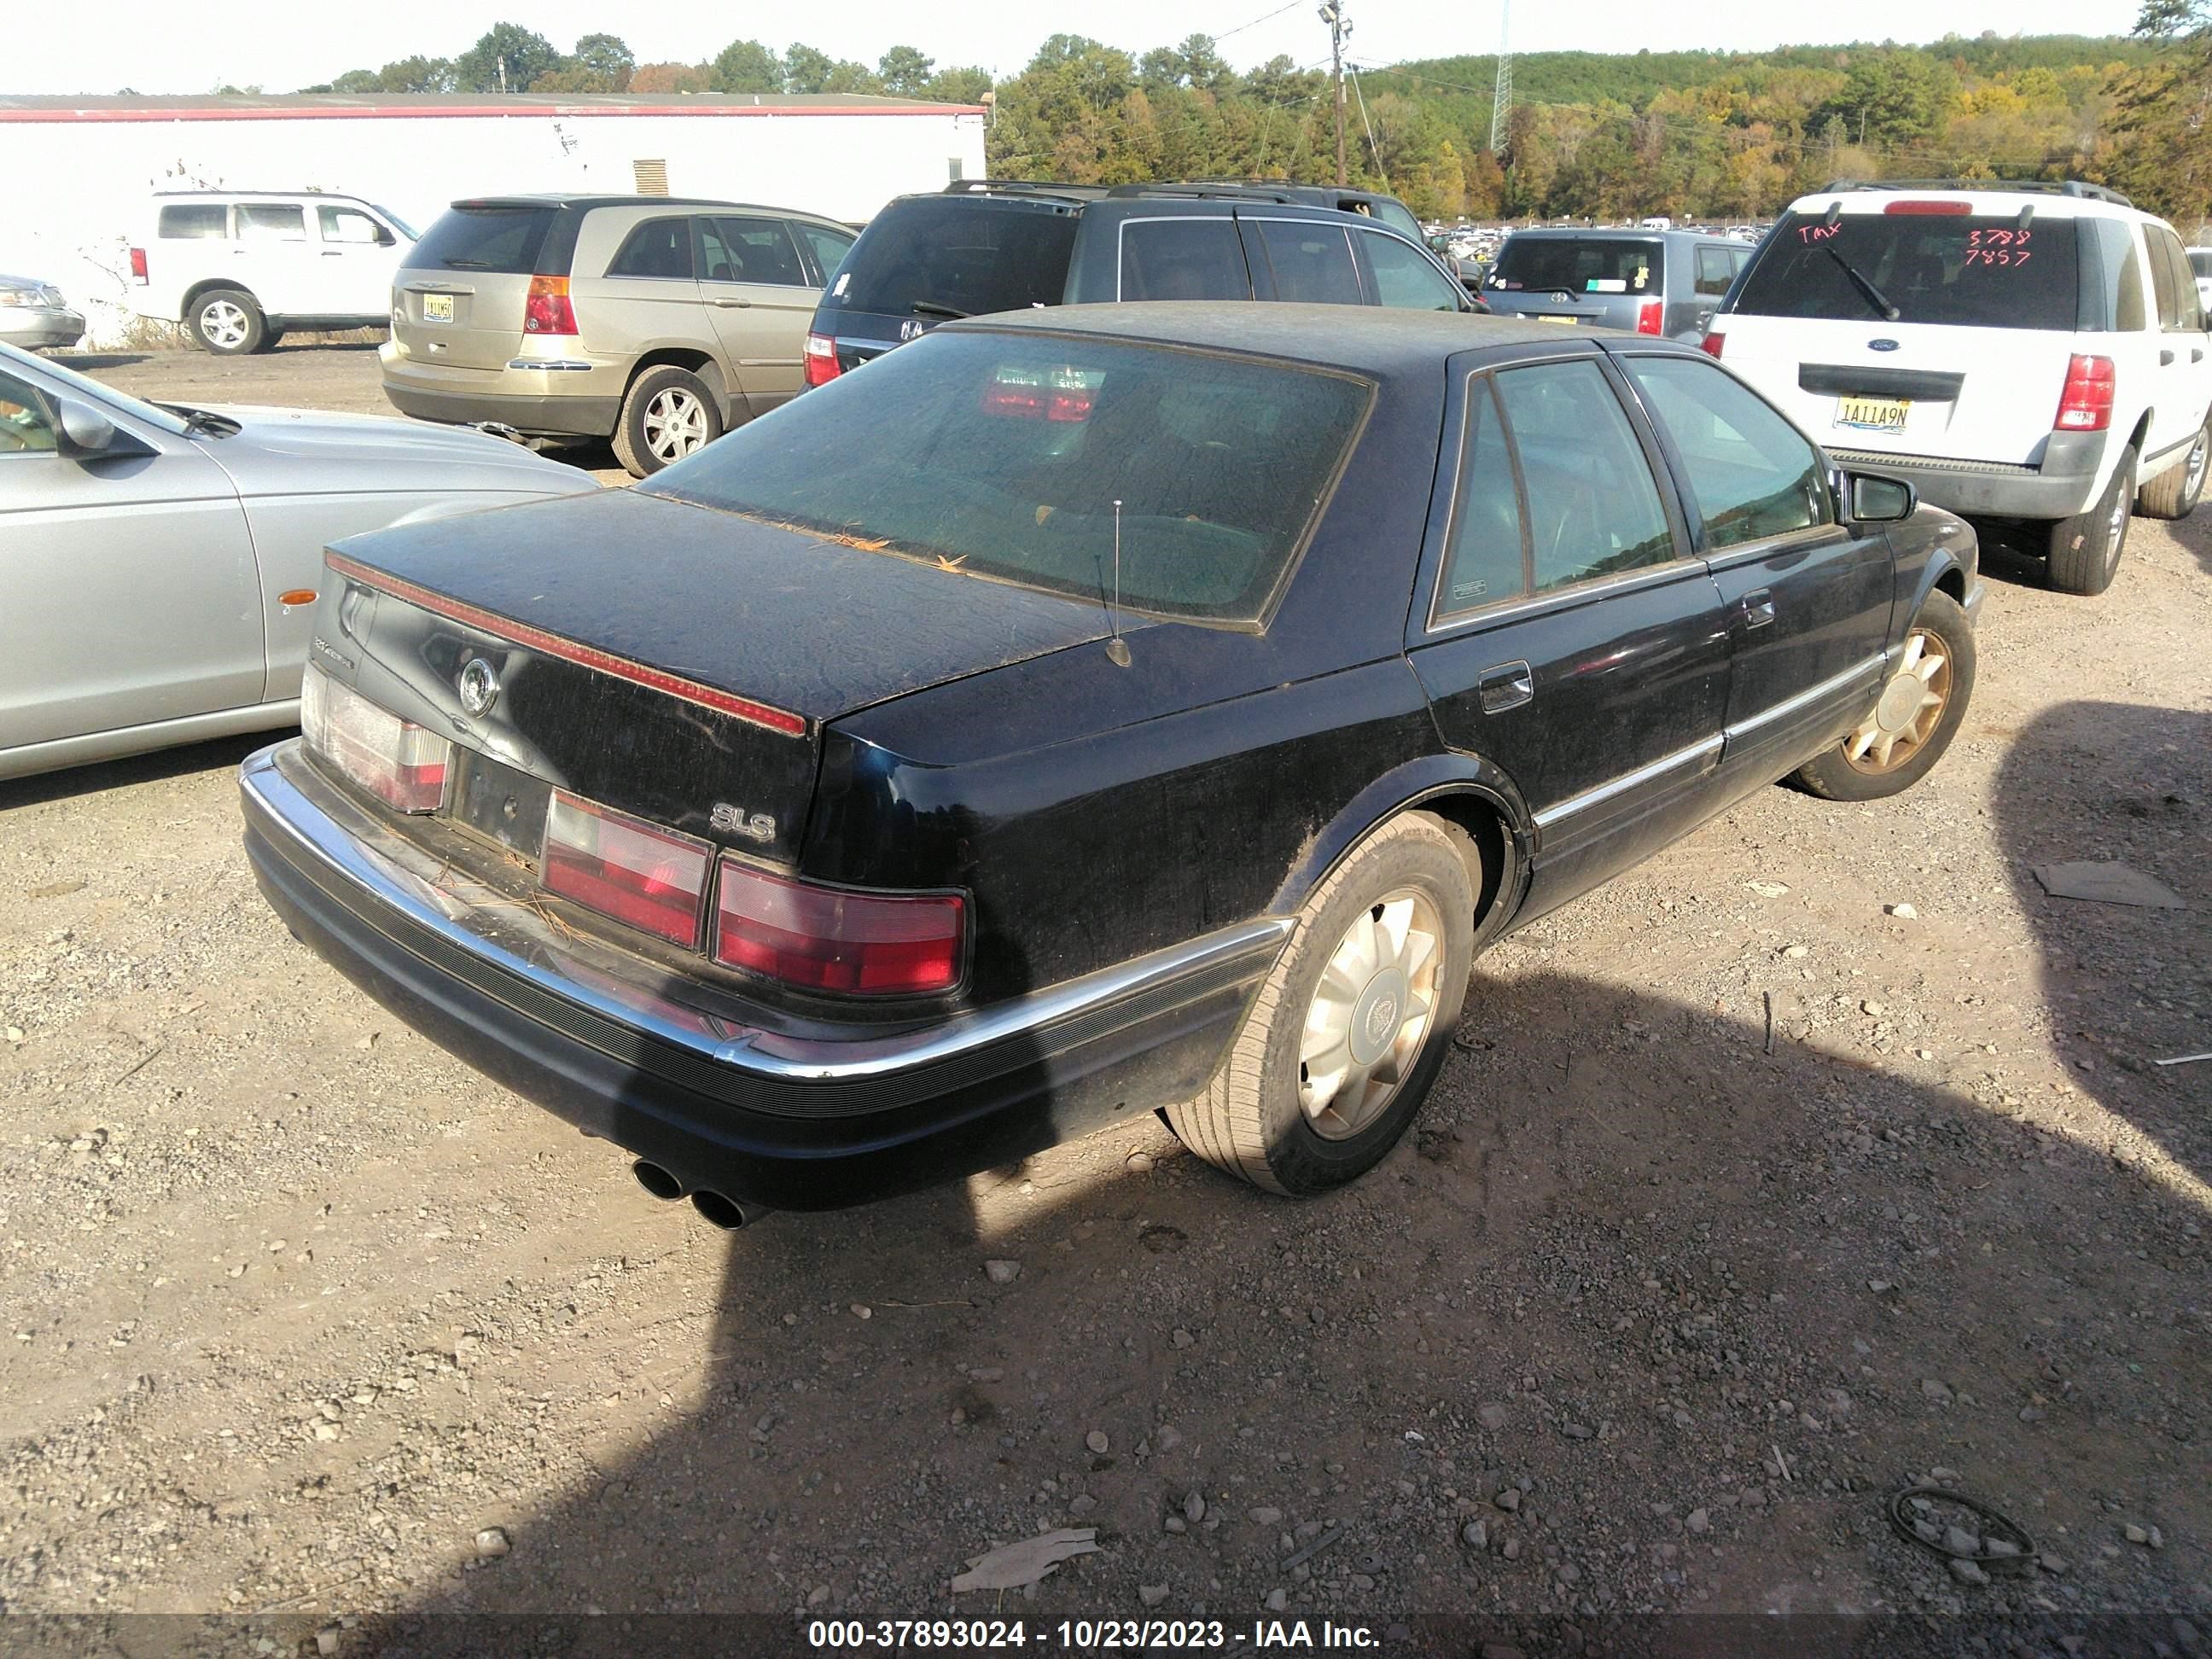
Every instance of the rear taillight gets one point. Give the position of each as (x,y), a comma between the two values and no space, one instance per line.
(138,264)
(547,310)
(636,872)
(1058,394)
(1648,315)
(401,764)
(2086,404)
(1950,208)
(1711,344)
(821,357)
(821,938)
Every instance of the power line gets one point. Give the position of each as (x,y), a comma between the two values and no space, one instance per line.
(1255,22)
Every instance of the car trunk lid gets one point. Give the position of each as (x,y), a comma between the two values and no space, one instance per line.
(1598,282)
(460,300)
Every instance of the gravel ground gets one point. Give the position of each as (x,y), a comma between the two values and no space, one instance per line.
(1823,1153)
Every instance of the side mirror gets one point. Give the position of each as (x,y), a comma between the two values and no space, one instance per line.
(86,435)
(1870,500)
(384,237)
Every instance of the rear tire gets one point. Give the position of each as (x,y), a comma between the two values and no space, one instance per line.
(1351,1027)
(1902,737)
(228,322)
(2175,492)
(667,415)
(2084,554)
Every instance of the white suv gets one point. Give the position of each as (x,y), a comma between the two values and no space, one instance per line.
(2025,352)
(238,268)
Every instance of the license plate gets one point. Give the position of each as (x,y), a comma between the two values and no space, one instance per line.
(1569,321)
(1873,414)
(437,308)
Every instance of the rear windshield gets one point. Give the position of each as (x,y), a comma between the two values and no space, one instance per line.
(1580,264)
(1017,458)
(956,254)
(1932,267)
(485,238)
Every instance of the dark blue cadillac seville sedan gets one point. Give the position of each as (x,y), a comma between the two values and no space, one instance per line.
(1080,713)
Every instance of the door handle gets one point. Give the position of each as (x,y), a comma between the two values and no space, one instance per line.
(332,254)
(2164,358)
(1756,607)
(727,303)
(1506,686)
(2197,354)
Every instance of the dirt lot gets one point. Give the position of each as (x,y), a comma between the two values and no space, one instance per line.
(1654,1314)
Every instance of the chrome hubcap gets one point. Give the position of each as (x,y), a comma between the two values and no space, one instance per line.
(2195,480)
(223,324)
(1908,710)
(675,424)
(1370,1014)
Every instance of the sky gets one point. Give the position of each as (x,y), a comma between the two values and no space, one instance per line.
(279,45)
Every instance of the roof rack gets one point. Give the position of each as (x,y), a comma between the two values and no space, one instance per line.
(2074,187)
(1203,191)
(1024,187)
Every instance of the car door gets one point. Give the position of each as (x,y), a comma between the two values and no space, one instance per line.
(275,262)
(1304,261)
(759,303)
(357,256)
(129,592)
(1567,633)
(641,293)
(2183,386)
(1807,600)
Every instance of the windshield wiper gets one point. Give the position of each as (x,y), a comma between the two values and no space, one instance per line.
(199,420)
(931,308)
(1888,313)
(467,264)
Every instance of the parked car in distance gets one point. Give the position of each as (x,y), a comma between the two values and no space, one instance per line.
(658,322)
(2200,267)
(2019,352)
(239,269)
(162,560)
(34,315)
(1661,282)
(1130,712)
(986,244)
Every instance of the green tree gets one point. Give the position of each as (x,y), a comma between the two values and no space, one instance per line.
(672,78)
(845,76)
(357,80)
(522,54)
(607,60)
(418,74)
(746,66)
(2164,120)
(905,70)
(805,69)
(961,84)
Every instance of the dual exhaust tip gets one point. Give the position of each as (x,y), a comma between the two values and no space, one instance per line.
(721,1212)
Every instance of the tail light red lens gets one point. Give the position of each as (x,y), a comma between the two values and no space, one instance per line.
(2086,404)
(1649,316)
(1945,209)
(821,938)
(547,310)
(1031,394)
(138,264)
(821,358)
(402,765)
(1711,344)
(636,872)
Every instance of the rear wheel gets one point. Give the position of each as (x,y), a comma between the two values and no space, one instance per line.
(1352,1024)
(227,321)
(668,415)
(1921,706)
(2175,492)
(2085,550)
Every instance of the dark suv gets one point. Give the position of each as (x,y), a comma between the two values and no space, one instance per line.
(991,245)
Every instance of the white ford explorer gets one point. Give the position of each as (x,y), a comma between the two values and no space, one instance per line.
(2032,352)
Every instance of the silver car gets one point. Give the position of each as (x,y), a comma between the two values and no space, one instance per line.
(159,564)
(33,314)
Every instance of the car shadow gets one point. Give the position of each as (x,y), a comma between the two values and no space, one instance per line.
(2194,535)
(89,361)
(157,764)
(1570,1280)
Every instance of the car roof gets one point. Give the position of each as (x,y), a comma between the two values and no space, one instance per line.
(1627,233)
(577,199)
(1379,341)
(2059,199)
(230,195)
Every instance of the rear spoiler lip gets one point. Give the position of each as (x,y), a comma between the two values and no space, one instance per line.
(749,710)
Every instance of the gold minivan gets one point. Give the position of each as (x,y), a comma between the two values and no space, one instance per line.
(656,322)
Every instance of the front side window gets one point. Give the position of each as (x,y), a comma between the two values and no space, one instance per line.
(1399,276)
(1310,262)
(24,426)
(347,225)
(1021,458)
(1751,473)
(657,248)
(751,251)
(1594,509)
(195,222)
(1183,259)
(268,221)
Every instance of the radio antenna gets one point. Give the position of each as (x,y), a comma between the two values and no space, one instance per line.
(1117,648)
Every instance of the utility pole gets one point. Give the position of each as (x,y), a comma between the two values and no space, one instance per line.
(1332,13)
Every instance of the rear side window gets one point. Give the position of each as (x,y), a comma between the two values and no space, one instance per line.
(195,222)
(1025,458)
(269,221)
(1310,263)
(1401,278)
(1752,475)
(487,236)
(751,251)
(829,247)
(1715,270)
(2200,261)
(2178,310)
(1580,264)
(658,247)
(1960,269)
(951,254)
(1594,508)
(1487,559)
(1182,260)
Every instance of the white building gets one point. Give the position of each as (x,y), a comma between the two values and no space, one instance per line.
(76,172)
